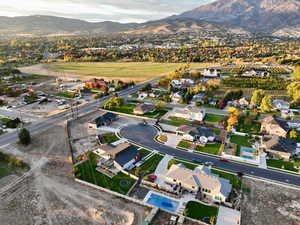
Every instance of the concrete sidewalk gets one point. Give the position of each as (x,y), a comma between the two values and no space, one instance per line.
(162,169)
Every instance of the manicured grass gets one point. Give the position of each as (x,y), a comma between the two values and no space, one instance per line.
(198,211)
(110,138)
(184,144)
(176,161)
(144,152)
(6,168)
(87,172)
(234,180)
(150,165)
(240,140)
(281,164)
(136,71)
(210,148)
(216,131)
(213,118)
(66,94)
(176,121)
(128,109)
(250,128)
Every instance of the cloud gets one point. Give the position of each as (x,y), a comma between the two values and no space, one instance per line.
(100,10)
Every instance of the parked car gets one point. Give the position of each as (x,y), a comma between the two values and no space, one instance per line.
(209,163)
(224,160)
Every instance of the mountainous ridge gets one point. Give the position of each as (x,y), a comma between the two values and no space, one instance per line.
(277,17)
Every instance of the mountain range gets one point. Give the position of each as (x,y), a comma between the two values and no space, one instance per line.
(277,17)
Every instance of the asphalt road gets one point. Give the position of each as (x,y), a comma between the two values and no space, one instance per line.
(144,136)
(37,127)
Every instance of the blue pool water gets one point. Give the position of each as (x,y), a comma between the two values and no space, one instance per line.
(249,150)
(163,202)
(247,157)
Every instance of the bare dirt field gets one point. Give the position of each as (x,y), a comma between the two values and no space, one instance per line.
(48,194)
(269,204)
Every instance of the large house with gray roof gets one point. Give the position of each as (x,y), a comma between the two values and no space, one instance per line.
(200,180)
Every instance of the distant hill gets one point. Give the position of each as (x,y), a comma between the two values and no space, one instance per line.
(252,15)
(48,25)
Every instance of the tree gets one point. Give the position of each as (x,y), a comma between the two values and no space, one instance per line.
(266,104)
(24,137)
(293,134)
(114,101)
(257,97)
(160,106)
(294,91)
(232,121)
(296,73)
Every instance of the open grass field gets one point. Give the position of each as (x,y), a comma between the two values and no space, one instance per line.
(127,71)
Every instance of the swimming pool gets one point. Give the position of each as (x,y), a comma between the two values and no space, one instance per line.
(247,157)
(249,150)
(163,202)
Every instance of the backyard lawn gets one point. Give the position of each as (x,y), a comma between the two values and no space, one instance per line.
(120,183)
(150,165)
(198,211)
(250,128)
(210,148)
(281,164)
(213,118)
(184,144)
(240,140)
(110,138)
(127,71)
(176,121)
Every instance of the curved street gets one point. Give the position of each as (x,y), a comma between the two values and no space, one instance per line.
(144,136)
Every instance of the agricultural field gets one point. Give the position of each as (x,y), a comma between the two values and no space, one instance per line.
(130,71)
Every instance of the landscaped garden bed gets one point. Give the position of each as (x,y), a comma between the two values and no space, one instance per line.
(184,144)
(280,164)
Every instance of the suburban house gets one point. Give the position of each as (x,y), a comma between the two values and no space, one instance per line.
(189,113)
(240,103)
(143,108)
(275,126)
(281,104)
(211,72)
(199,180)
(104,120)
(177,96)
(183,83)
(257,73)
(279,147)
(99,84)
(228,216)
(122,156)
(194,134)
(198,98)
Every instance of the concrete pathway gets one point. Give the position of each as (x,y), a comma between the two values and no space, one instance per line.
(263,161)
(162,169)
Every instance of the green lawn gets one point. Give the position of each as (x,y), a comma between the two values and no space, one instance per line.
(110,138)
(136,71)
(176,121)
(6,168)
(213,118)
(198,211)
(186,164)
(240,140)
(184,144)
(87,172)
(129,108)
(234,180)
(144,152)
(210,148)
(281,164)
(250,128)
(150,165)
(66,94)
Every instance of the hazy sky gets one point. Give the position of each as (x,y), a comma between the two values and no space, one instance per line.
(99,10)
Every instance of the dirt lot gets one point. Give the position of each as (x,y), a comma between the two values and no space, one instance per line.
(48,194)
(269,204)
